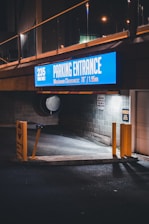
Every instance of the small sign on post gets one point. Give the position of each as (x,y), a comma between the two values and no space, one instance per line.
(125,115)
(21,140)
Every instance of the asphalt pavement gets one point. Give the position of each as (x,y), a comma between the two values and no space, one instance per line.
(57,146)
(103,193)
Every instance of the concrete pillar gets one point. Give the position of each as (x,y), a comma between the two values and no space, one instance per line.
(38,29)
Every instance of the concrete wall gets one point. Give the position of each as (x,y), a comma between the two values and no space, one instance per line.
(21,106)
(141,121)
(85,115)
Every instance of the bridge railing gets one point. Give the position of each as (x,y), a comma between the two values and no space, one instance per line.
(65,29)
(61,30)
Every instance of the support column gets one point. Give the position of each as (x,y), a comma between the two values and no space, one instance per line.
(114,139)
(38,29)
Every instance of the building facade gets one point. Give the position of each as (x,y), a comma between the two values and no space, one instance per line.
(88,115)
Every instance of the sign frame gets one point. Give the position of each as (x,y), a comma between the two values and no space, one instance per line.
(92,70)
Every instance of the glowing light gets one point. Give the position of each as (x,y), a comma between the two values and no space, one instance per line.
(23,38)
(116,103)
(87,7)
(104,19)
(128,21)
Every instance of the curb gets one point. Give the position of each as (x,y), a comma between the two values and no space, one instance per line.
(77,162)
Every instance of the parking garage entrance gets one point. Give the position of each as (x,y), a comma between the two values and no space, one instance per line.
(87,114)
(55,144)
(82,128)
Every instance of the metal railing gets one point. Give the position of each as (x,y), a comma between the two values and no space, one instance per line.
(58,31)
(62,30)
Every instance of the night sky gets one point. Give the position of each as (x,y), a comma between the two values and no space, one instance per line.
(116,10)
(3,16)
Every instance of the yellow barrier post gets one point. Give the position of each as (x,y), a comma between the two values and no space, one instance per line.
(21,140)
(36,141)
(25,141)
(125,140)
(129,142)
(122,140)
(114,139)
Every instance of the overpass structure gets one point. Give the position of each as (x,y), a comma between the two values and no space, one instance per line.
(88,109)
(132,63)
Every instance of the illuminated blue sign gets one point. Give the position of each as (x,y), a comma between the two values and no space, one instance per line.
(99,69)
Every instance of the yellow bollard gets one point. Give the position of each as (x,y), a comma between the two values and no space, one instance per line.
(122,140)
(125,140)
(21,140)
(129,142)
(25,140)
(114,139)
